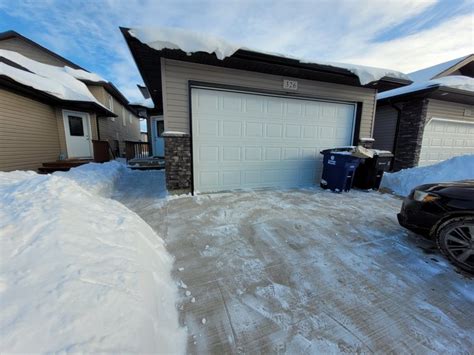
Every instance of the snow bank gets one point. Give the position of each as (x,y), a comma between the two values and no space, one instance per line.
(79,272)
(190,42)
(62,82)
(454,169)
(453,81)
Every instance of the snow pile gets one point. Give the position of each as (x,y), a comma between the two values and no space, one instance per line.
(190,42)
(430,72)
(453,81)
(80,272)
(63,82)
(454,169)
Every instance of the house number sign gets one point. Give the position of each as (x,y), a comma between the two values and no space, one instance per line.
(290,84)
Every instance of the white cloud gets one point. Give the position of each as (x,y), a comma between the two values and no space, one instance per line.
(339,30)
(449,40)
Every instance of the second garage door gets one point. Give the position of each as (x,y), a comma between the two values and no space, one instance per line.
(444,139)
(244,140)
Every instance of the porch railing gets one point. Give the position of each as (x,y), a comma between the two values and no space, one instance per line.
(134,150)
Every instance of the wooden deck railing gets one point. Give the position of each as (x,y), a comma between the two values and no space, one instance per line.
(135,150)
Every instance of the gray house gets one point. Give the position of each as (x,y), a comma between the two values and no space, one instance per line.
(238,118)
(430,120)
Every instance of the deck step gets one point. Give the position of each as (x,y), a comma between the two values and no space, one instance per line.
(61,165)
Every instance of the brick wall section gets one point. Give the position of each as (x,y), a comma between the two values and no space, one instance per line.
(410,134)
(178,162)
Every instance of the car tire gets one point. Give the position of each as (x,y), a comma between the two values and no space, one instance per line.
(455,239)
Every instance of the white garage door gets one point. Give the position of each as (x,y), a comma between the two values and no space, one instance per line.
(243,140)
(444,139)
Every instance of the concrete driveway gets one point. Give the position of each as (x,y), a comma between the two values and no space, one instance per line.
(298,271)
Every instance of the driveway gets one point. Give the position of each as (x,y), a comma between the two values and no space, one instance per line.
(304,270)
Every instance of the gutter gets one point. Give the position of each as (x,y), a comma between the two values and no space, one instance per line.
(397,128)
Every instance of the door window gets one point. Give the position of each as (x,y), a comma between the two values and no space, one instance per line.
(76,126)
(160,127)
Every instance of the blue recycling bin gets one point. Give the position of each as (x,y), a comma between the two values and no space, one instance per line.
(338,170)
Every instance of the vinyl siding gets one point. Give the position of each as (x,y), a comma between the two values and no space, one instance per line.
(30,51)
(28,133)
(385,127)
(176,74)
(449,110)
(112,129)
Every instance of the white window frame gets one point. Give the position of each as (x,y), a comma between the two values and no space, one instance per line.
(111,103)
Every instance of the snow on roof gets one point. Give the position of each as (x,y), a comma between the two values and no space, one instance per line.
(455,82)
(430,72)
(190,42)
(148,103)
(61,82)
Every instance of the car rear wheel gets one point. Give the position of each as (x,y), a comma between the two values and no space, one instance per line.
(455,239)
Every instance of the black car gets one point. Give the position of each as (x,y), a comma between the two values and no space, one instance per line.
(444,212)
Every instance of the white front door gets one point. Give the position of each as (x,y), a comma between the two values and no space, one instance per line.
(246,140)
(444,139)
(158,142)
(77,127)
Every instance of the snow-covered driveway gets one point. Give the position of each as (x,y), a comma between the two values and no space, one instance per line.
(304,271)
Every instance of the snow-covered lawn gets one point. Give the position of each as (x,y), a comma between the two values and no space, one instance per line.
(79,272)
(304,271)
(454,169)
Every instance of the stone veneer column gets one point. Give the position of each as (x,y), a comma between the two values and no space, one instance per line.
(178,161)
(410,134)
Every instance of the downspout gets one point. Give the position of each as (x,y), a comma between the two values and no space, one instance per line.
(98,129)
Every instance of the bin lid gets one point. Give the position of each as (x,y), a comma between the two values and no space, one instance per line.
(382,153)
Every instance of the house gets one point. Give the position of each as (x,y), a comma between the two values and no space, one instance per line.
(430,120)
(238,118)
(51,109)
(155,123)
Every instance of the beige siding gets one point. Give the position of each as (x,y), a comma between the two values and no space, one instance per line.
(450,110)
(176,74)
(28,50)
(112,129)
(385,127)
(28,133)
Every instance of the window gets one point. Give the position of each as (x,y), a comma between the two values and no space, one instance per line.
(76,127)
(124,120)
(130,118)
(160,127)
(111,103)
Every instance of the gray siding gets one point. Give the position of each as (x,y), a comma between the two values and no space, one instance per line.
(385,127)
(176,74)
(450,110)
(119,128)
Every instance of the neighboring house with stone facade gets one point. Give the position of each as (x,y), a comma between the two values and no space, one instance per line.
(52,109)
(430,120)
(235,118)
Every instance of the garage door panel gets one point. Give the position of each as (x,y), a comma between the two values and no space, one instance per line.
(248,141)
(444,139)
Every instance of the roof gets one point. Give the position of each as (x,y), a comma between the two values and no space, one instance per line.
(14,34)
(455,88)
(79,73)
(147,59)
(61,84)
(440,70)
(160,38)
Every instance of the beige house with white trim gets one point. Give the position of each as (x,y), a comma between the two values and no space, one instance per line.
(38,127)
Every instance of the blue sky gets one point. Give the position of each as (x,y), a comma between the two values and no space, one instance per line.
(403,34)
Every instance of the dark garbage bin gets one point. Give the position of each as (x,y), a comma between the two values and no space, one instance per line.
(370,171)
(338,170)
